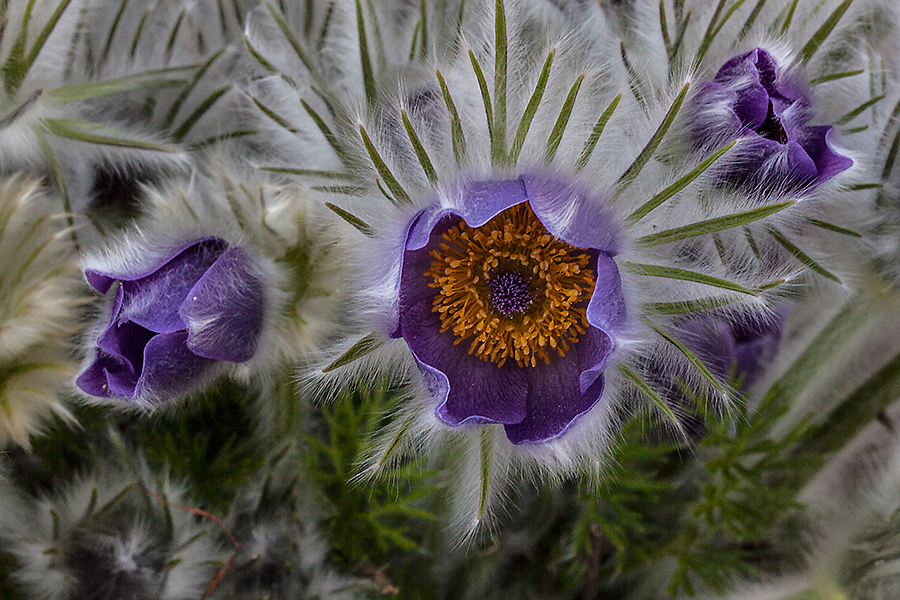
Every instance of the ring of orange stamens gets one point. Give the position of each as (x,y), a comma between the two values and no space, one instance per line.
(558,276)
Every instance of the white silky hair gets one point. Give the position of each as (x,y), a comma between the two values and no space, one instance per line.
(40,296)
(43,533)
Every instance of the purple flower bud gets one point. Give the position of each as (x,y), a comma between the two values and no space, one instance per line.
(751,97)
(169,324)
(739,350)
(510,302)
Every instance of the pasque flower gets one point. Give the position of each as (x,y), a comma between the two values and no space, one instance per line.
(738,350)
(511,317)
(751,96)
(170,322)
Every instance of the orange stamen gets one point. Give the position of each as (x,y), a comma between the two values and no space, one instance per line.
(559,279)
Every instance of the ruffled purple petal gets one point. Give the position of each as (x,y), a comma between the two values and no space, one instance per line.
(571,213)
(606,309)
(475,389)
(170,368)
(153,300)
(828,162)
(476,202)
(555,397)
(224,310)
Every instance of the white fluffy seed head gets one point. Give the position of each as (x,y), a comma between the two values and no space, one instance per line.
(40,297)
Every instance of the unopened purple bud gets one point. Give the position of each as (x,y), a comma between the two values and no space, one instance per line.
(169,324)
(751,98)
(736,349)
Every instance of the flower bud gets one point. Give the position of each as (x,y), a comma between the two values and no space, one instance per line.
(171,321)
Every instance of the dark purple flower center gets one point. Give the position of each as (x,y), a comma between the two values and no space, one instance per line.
(509,293)
(771,128)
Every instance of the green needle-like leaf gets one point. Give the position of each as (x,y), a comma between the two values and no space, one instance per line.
(351,218)
(421,154)
(104,54)
(368,73)
(711,225)
(855,412)
(560,126)
(846,118)
(688,306)
(530,110)
(692,358)
(498,139)
(679,185)
(278,119)
(183,96)
(395,442)
(789,17)
(649,393)
(485,97)
(827,27)
(596,132)
(646,154)
(751,19)
(487,459)
(800,255)
(393,185)
(289,36)
(17,62)
(148,80)
(326,131)
(833,227)
(684,275)
(710,33)
(835,76)
(456,132)
(85,131)
(368,344)
(195,116)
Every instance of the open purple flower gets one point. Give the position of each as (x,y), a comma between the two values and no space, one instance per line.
(169,324)
(751,97)
(509,301)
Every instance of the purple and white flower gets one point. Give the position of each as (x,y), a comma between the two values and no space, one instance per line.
(752,97)
(510,315)
(171,322)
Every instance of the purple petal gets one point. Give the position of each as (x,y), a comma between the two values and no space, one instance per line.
(555,398)
(99,281)
(153,300)
(751,106)
(125,341)
(95,380)
(606,309)
(828,162)
(471,388)
(799,168)
(476,202)
(571,212)
(224,311)
(413,282)
(170,368)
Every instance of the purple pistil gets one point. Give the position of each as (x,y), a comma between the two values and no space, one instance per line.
(509,293)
